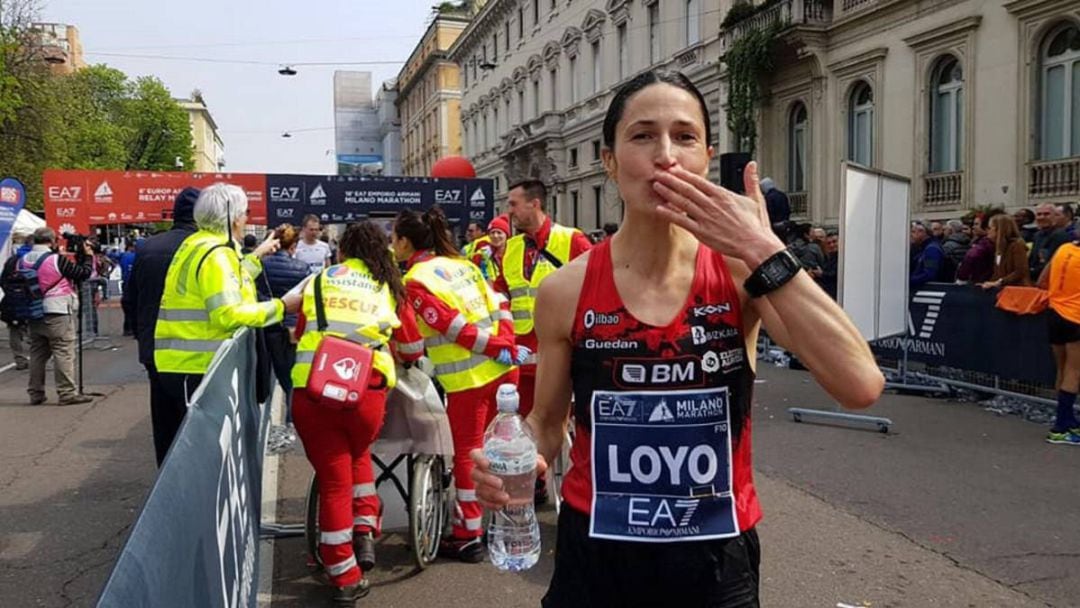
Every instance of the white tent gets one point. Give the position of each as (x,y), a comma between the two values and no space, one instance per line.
(25,224)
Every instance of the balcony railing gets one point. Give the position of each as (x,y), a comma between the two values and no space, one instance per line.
(1054,178)
(785,13)
(943,189)
(799,202)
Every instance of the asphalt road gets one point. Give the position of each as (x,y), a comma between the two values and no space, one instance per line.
(956,507)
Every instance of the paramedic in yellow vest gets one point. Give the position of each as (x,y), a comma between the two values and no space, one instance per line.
(479,251)
(540,247)
(209,294)
(361,298)
(469,338)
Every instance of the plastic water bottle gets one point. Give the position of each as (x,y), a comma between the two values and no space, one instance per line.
(513,535)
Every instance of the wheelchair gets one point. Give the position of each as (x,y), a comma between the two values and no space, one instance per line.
(426,492)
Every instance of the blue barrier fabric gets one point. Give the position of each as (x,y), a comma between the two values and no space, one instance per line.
(196,541)
(960,326)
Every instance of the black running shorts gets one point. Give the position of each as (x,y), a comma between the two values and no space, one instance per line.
(1061,330)
(601,573)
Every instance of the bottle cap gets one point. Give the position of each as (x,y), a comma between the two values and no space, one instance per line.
(507,398)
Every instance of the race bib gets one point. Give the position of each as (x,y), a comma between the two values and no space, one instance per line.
(661,466)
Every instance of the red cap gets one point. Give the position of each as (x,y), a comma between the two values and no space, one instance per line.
(501,222)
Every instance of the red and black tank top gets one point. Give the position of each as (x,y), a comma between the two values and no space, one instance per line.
(662,449)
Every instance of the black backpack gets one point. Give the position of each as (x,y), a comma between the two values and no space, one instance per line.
(24,300)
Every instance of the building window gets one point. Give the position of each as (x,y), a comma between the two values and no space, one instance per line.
(485,131)
(573,156)
(574,208)
(797,137)
(536,12)
(861,125)
(495,132)
(536,98)
(521,23)
(947,116)
(573,80)
(521,106)
(466,75)
(598,199)
(596,150)
(553,4)
(506,37)
(554,75)
(1060,84)
(654,32)
(623,65)
(596,75)
(495,47)
(693,22)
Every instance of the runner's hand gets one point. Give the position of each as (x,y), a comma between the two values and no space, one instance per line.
(489,492)
(734,225)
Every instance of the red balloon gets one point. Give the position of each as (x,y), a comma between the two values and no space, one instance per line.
(453,166)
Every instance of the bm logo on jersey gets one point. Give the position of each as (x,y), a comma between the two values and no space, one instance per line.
(673,371)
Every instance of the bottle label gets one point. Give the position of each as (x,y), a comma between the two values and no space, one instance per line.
(524,463)
(661,466)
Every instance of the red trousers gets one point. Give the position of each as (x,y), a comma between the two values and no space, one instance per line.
(470,412)
(526,389)
(338,444)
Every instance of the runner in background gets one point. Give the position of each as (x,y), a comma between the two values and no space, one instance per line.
(542,247)
(653,334)
(469,338)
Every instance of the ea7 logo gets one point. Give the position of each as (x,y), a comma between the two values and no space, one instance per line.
(448,197)
(285,193)
(933,301)
(681,371)
(66,211)
(65,193)
(286,212)
(712,309)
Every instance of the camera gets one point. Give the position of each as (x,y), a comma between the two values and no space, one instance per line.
(74,244)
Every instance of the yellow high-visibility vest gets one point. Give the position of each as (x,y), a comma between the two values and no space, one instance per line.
(522,290)
(358,308)
(459,284)
(209,294)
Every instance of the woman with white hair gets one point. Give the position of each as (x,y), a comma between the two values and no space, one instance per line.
(209,294)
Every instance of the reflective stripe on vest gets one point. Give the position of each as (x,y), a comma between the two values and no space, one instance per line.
(522,290)
(358,308)
(459,285)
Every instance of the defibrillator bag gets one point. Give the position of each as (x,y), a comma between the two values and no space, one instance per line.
(341,369)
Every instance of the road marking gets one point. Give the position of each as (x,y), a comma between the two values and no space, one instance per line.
(7,367)
(265,595)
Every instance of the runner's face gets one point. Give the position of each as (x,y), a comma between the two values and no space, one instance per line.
(311,231)
(661,128)
(498,238)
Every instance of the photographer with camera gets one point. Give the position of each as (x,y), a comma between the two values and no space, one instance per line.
(52,334)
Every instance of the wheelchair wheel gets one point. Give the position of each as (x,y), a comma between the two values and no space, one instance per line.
(427,508)
(311,522)
(559,469)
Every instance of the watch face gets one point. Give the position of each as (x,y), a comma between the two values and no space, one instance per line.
(776,271)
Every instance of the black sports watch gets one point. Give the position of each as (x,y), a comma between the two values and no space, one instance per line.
(772,274)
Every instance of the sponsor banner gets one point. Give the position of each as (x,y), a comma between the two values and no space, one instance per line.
(345,198)
(959,326)
(12,201)
(662,466)
(77,200)
(196,541)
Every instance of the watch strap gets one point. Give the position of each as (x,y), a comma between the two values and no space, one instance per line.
(772,274)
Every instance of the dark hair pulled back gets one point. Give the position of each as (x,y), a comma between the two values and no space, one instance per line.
(641,81)
(367,242)
(429,230)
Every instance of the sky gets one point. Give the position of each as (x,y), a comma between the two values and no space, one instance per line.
(252,104)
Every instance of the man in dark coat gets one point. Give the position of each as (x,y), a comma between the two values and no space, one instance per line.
(142,294)
(776,202)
